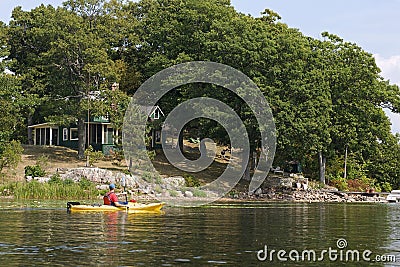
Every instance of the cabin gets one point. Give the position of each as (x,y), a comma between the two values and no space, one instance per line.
(154,113)
(100,131)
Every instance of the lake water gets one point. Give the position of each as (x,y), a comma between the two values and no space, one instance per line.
(38,234)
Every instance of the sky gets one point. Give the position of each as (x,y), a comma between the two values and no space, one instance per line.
(371,24)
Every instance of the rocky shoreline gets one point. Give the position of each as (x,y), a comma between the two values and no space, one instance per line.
(277,188)
(310,196)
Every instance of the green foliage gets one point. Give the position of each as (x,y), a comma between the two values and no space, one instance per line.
(10,154)
(151,154)
(340,183)
(355,185)
(148,177)
(54,189)
(316,185)
(326,95)
(198,193)
(55,179)
(94,156)
(386,187)
(358,185)
(191,181)
(158,189)
(117,155)
(43,161)
(173,193)
(34,171)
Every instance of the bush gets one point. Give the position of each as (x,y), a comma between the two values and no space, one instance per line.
(10,154)
(55,179)
(357,185)
(386,187)
(43,161)
(190,181)
(173,193)
(34,171)
(147,177)
(316,185)
(340,183)
(94,156)
(199,193)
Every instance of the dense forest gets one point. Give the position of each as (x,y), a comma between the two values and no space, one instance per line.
(327,95)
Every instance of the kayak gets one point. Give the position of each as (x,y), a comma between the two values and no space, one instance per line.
(132,207)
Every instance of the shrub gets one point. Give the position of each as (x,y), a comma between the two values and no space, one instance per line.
(190,181)
(68,182)
(10,154)
(357,185)
(173,193)
(340,183)
(199,193)
(158,189)
(386,187)
(94,156)
(117,155)
(316,185)
(84,183)
(55,179)
(147,177)
(43,161)
(34,171)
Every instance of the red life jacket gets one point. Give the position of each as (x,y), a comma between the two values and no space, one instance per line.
(107,200)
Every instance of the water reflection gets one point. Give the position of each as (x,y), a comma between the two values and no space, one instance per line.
(216,235)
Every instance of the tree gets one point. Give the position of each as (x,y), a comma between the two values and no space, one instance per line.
(10,150)
(28,37)
(64,55)
(359,124)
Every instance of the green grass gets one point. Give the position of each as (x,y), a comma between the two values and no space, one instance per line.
(51,190)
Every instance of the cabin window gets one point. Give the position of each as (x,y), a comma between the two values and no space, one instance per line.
(65,134)
(73,134)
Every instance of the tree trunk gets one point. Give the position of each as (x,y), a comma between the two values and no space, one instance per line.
(250,166)
(30,130)
(81,138)
(322,166)
(345,164)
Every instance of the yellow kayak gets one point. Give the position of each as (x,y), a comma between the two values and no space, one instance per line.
(130,208)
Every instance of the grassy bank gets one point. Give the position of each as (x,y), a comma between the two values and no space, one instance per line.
(54,189)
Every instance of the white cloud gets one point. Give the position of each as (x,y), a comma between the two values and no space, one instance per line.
(390,68)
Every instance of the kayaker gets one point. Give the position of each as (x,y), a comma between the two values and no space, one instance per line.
(111,198)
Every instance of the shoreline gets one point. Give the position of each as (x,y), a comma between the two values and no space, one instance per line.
(271,195)
(311,196)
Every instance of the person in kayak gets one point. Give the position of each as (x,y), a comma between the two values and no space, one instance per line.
(111,198)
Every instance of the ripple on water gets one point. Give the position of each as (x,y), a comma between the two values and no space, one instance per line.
(137,250)
(217,262)
(182,260)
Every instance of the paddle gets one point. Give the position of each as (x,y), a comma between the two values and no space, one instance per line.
(124,185)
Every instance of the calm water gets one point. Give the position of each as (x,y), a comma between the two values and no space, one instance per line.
(37,234)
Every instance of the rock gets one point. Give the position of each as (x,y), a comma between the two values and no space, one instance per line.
(99,176)
(165,194)
(102,187)
(42,179)
(258,192)
(188,194)
(174,182)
